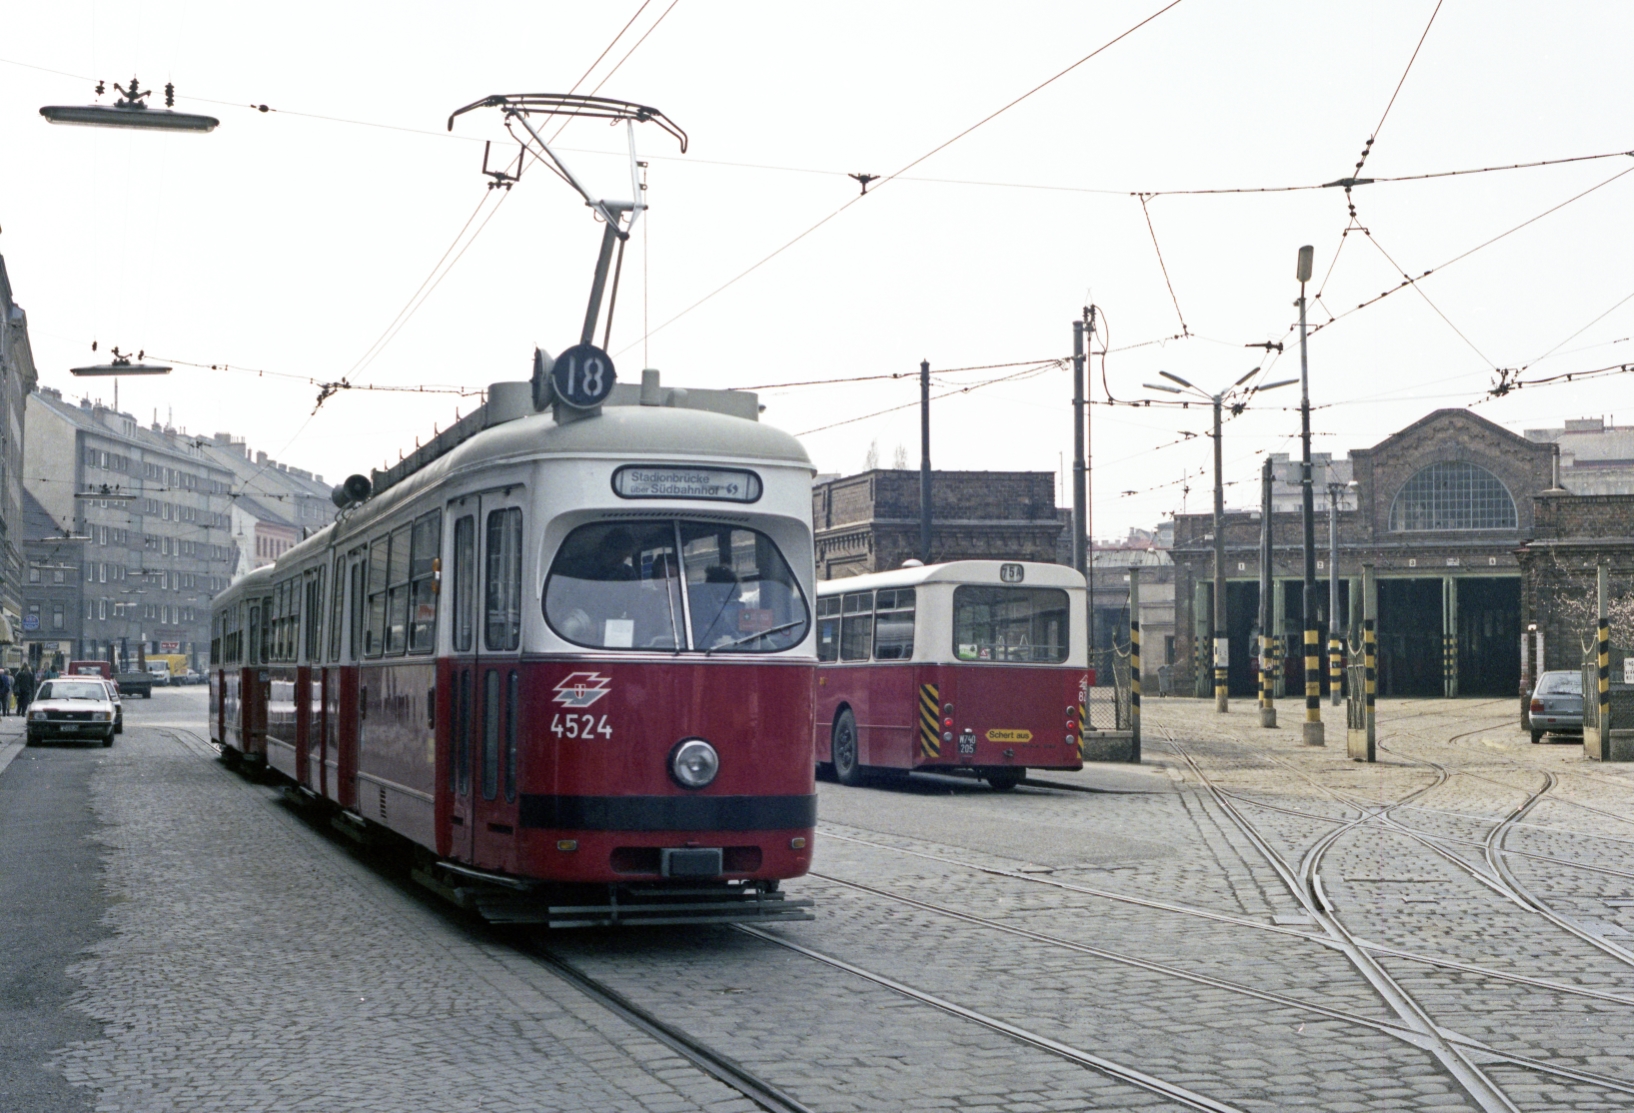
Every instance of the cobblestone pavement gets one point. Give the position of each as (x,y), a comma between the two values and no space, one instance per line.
(1465,944)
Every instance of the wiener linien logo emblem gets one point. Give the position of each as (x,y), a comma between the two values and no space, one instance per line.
(581,689)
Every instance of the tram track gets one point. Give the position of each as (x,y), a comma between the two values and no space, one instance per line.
(1398,1031)
(1305,884)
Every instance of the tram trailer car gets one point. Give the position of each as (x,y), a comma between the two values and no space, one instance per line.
(571,662)
(976,665)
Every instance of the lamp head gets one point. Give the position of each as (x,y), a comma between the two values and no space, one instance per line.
(1306,255)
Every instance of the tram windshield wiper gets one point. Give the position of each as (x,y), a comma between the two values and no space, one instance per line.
(747,638)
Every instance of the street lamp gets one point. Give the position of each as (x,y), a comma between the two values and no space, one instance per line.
(130,111)
(1238,399)
(1313,682)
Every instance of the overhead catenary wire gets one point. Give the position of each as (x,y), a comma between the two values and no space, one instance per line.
(894,175)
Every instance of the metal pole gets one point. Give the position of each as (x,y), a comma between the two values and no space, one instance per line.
(924,461)
(1221,641)
(1602,639)
(1089,482)
(1134,663)
(1370,654)
(1080,489)
(1313,685)
(1268,708)
(1335,645)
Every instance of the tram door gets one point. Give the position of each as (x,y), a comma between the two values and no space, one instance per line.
(486,534)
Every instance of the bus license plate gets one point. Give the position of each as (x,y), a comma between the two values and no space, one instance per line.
(967,742)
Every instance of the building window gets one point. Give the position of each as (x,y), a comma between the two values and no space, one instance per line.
(58,619)
(33,575)
(56,575)
(102,608)
(1452,495)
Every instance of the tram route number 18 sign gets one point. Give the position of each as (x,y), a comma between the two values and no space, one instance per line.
(581,377)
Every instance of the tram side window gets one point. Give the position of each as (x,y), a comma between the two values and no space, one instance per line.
(337,612)
(893,624)
(426,543)
(314,615)
(828,628)
(397,593)
(1010,624)
(503,618)
(465,582)
(374,634)
(857,626)
(215,640)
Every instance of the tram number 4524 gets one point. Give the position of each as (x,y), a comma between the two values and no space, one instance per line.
(580,726)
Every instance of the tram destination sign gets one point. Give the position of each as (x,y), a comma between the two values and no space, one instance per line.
(640,481)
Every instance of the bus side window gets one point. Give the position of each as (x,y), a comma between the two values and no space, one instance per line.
(465,582)
(857,626)
(893,625)
(828,628)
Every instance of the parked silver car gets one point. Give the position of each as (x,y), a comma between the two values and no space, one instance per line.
(1557,705)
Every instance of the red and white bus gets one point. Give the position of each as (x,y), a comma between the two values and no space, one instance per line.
(570,661)
(974,664)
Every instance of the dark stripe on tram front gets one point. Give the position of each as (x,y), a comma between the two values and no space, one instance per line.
(668,813)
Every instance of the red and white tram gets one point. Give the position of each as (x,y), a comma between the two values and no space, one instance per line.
(974,665)
(570,659)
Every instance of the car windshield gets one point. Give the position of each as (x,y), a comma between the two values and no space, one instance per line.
(72,689)
(1560,684)
(636,584)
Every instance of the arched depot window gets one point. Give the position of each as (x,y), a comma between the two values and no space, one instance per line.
(1453,495)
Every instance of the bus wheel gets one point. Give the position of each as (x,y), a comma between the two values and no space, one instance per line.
(1003,780)
(847,769)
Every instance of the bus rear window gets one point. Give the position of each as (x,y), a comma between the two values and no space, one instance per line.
(674,585)
(1015,624)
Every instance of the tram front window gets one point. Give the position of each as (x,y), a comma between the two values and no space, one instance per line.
(1010,624)
(617,585)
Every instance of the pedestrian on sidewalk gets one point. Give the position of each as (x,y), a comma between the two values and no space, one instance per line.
(25,688)
(5,692)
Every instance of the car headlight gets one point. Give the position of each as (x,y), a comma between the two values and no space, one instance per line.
(693,763)
(36,716)
(101,716)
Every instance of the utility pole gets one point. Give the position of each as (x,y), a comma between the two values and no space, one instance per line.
(1335,645)
(1268,707)
(924,461)
(1222,644)
(1313,679)
(1089,482)
(1080,480)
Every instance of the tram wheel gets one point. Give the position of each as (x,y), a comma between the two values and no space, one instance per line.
(1003,780)
(847,767)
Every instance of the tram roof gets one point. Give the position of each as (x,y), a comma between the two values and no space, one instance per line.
(635,433)
(1036,574)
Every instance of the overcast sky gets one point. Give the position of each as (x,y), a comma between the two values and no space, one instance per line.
(288,243)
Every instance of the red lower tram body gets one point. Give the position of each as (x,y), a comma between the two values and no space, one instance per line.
(986,718)
(525,783)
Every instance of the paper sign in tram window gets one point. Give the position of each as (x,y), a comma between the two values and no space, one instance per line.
(619,633)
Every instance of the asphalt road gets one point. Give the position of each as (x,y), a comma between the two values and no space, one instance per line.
(51,909)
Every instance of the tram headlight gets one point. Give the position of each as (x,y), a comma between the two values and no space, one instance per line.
(693,763)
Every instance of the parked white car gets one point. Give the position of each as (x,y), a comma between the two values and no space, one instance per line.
(75,707)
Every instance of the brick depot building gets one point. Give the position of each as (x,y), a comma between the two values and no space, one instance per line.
(1442,509)
(870,522)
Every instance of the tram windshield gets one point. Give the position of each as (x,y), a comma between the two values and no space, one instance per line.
(674,585)
(1015,624)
